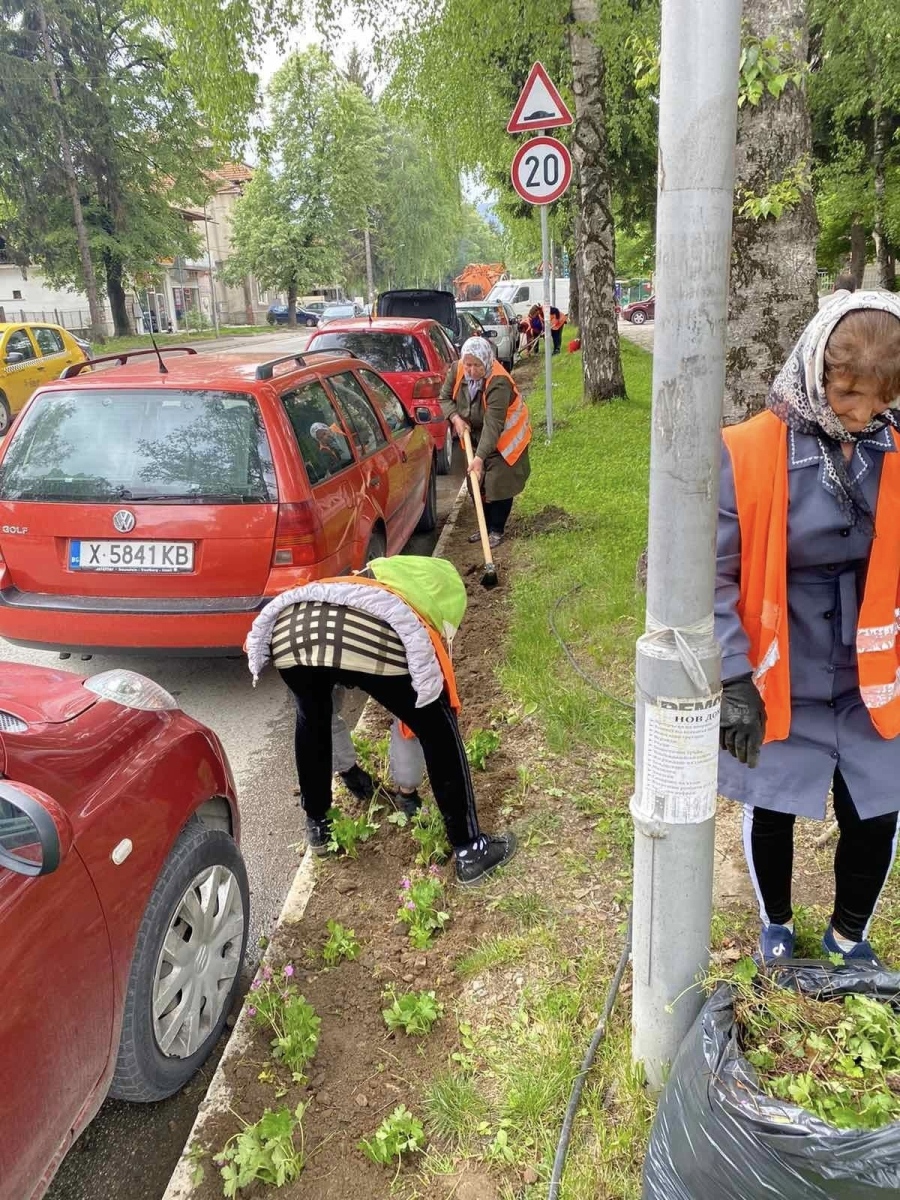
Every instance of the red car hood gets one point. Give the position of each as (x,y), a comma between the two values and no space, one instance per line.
(42,696)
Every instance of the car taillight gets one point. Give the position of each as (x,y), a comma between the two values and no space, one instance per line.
(296,531)
(428,388)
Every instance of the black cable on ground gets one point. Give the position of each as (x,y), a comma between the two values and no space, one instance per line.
(569,655)
(562,1147)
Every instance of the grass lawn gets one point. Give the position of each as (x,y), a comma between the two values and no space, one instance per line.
(142,341)
(536,981)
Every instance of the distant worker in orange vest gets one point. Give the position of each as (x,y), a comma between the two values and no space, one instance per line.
(807,603)
(480,395)
(557,321)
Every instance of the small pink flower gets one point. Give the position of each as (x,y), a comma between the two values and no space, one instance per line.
(424,810)
(267,972)
(256,984)
(409,904)
(434,870)
(405,884)
(289,970)
(251,1011)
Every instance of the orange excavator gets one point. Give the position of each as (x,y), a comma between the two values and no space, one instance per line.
(476,280)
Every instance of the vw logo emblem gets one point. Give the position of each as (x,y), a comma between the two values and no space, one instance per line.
(124,521)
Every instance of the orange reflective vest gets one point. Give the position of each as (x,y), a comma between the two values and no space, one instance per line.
(759,459)
(558,322)
(517,427)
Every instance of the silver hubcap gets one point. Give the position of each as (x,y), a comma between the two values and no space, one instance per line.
(199,959)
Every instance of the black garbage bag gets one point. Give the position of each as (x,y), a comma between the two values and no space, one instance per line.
(716,1136)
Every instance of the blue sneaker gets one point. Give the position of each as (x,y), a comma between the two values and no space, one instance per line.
(861,954)
(776,943)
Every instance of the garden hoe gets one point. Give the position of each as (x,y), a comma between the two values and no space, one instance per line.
(489,574)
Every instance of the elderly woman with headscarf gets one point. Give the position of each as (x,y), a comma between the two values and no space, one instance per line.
(481,396)
(807,604)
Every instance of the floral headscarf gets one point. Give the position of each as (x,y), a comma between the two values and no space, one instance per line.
(479,348)
(798,397)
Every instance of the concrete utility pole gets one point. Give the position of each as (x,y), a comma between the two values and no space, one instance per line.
(678,661)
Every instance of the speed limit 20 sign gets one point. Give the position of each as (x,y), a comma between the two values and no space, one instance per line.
(541,170)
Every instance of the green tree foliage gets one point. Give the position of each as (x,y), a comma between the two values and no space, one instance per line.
(855,101)
(319,176)
(136,137)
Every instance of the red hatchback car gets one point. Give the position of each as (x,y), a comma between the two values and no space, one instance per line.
(414,356)
(148,510)
(123,905)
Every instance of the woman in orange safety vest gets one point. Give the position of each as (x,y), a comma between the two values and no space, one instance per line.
(808,615)
(482,396)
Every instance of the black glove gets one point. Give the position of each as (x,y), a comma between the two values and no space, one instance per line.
(743,723)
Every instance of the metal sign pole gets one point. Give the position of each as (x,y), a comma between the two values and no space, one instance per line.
(678,662)
(548,347)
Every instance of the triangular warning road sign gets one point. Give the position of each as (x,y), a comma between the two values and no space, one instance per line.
(540,106)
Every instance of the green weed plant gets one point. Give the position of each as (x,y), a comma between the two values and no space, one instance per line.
(400,1133)
(265,1152)
(276,1004)
(420,909)
(839,1059)
(341,943)
(413,1012)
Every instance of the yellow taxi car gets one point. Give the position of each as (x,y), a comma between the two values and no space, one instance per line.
(32,354)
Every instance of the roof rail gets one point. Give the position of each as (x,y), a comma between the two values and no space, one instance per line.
(266,370)
(76,368)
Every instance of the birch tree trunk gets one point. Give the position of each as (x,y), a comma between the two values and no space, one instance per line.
(98,331)
(857,252)
(773,263)
(882,251)
(595,242)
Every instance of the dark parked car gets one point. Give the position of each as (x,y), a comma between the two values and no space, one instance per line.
(278,315)
(432,304)
(640,311)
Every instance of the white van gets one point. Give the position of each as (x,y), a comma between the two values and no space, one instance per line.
(522,294)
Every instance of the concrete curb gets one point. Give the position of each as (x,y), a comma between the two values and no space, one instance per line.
(218,1096)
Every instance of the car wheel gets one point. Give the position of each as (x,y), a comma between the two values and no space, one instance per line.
(444,459)
(5,415)
(377,547)
(310,323)
(186,968)
(271,319)
(639,317)
(429,516)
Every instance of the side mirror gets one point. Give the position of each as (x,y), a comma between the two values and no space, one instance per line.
(35,833)
(423,415)
(489,333)
(14,356)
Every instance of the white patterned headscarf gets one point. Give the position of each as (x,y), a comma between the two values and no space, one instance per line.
(798,397)
(479,348)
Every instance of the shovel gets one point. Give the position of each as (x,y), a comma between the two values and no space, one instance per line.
(489,574)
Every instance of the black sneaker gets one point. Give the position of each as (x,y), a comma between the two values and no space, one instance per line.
(359,783)
(473,866)
(317,835)
(407,802)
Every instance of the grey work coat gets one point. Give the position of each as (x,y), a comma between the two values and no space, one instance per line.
(501,481)
(827,562)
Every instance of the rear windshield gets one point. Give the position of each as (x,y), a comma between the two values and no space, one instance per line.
(383,351)
(487,314)
(161,445)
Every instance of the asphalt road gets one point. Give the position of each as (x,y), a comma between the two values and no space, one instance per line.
(131,1150)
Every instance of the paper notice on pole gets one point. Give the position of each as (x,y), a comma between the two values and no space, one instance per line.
(680,760)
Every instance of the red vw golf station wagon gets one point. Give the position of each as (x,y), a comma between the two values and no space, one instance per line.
(157,503)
